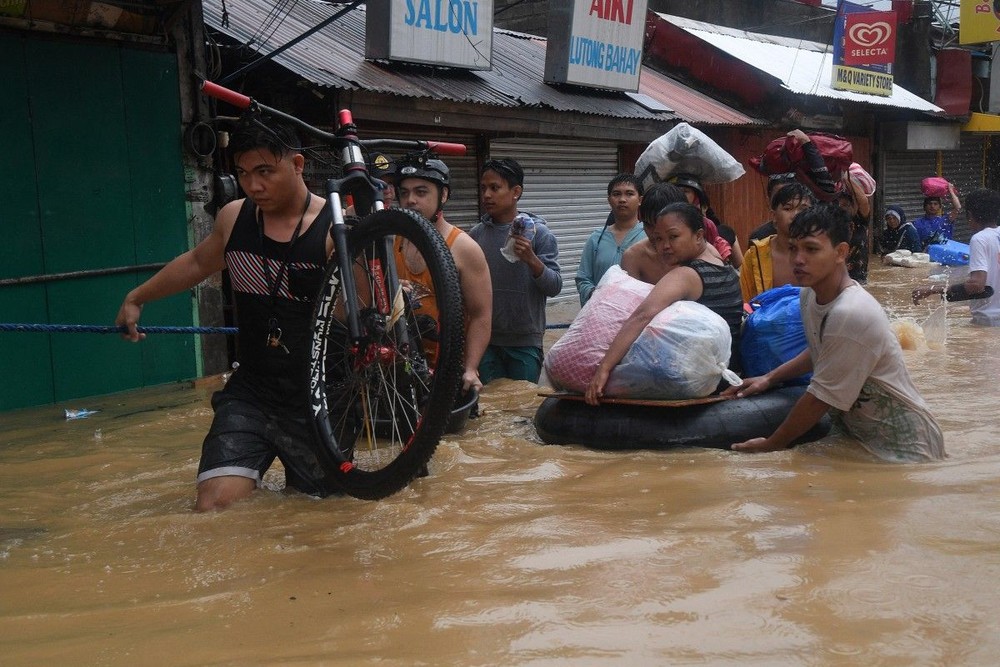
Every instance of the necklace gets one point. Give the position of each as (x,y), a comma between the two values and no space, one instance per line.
(273,330)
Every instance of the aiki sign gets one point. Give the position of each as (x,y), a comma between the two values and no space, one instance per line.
(870,38)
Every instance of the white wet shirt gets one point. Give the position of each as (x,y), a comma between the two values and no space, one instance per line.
(984,255)
(858,369)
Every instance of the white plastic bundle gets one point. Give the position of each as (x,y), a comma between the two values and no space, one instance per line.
(686,150)
(682,353)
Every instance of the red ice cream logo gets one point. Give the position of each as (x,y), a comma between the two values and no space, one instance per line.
(870,34)
(869,38)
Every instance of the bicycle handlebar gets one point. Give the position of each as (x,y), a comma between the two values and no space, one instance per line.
(241,101)
(445,148)
(238,100)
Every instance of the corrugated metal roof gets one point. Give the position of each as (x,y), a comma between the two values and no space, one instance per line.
(689,103)
(334,57)
(801,66)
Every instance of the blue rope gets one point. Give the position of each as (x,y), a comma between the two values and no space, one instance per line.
(92,328)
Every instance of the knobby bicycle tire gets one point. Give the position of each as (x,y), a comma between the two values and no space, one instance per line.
(381,406)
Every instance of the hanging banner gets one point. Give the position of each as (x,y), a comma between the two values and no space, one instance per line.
(596,43)
(978,22)
(864,50)
(449,33)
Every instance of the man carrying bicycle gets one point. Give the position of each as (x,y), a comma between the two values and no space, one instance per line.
(423,185)
(275,243)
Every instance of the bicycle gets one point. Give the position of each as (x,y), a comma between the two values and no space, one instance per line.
(379,401)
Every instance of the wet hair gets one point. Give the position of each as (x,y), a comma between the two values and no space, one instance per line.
(658,196)
(928,200)
(631,179)
(252,133)
(983,205)
(792,192)
(688,213)
(507,168)
(827,218)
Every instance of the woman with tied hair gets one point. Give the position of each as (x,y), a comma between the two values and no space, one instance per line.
(700,276)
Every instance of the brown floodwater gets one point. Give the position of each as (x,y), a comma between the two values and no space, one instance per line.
(513,552)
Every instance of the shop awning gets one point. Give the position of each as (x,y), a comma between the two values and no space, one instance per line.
(799,66)
(334,57)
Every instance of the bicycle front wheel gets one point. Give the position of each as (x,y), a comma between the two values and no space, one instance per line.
(382,399)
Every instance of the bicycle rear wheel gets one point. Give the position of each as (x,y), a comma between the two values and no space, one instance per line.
(381,403)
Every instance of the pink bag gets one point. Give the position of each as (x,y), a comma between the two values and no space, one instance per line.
(574,358)
(935,186)
(861,178)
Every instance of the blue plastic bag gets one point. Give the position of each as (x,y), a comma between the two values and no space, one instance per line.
(773,332)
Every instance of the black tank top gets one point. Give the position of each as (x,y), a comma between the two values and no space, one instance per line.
(721,293)
(270,372)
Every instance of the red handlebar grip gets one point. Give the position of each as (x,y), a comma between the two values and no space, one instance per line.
(238,100)
(445,148)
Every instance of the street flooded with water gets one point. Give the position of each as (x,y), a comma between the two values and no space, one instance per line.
(513,552)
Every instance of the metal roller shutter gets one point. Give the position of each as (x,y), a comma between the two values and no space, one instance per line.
(900,182)
(567,184)
(965,169)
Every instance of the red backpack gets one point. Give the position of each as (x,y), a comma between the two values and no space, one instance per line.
(785,154)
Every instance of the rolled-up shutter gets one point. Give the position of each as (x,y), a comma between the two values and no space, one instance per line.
(566,183)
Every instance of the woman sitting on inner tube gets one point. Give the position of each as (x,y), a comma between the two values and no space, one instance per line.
(700,275)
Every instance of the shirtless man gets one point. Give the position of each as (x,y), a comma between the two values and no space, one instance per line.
(424,187)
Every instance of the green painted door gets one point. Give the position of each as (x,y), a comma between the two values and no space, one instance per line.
(92,179)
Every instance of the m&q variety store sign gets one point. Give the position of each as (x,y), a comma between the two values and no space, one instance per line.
(596,43)
(864,50)
(450,33)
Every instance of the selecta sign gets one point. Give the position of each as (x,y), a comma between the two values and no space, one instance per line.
(450,33)
(595,43)
(870,38)
(864,50)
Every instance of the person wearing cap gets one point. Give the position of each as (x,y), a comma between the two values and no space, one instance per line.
(607,245)
(898,233)
(424,187)
(520,287)
(695,193)
(935,225)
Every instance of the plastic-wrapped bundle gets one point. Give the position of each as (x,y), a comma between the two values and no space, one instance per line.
(686,150)
(574,358)
(682,353)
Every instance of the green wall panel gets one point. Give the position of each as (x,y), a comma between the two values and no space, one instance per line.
(152,116)
(25,364)
(98,183)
